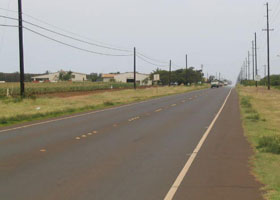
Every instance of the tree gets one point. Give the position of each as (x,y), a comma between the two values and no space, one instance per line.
(65,76)
(179,76)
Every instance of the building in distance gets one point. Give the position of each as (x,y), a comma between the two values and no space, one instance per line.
(55,77)
(128,77)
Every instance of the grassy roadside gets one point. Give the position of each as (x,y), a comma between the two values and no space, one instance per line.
(261,120)
(16,110)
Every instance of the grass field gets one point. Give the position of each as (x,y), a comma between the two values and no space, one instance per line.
(261,118)
(15,110)
(47,88)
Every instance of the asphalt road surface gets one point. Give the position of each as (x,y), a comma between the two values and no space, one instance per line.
(132,152)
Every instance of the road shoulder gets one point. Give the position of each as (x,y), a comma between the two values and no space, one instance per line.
(221,169)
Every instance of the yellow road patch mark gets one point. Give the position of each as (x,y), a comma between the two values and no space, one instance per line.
(43,150)
(77,138)
(158,110)
(133,119)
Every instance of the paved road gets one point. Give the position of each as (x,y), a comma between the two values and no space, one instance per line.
(130,152)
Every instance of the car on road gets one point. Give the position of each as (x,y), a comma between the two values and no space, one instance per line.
(215,84)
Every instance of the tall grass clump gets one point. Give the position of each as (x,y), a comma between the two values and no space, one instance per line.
(269,144)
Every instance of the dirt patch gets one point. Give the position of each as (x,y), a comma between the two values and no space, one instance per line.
(85,93)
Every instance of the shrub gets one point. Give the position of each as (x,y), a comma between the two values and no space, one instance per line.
(269,144)
(245,102)
(108,103)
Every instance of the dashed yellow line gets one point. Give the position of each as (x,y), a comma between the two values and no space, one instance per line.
(77,138)
(183,101)
(43,150)
(133,119)
(89,134)
(174,105)
(158,110)
(94,132)
(84,136)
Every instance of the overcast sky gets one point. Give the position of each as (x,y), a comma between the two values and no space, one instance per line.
(216,33)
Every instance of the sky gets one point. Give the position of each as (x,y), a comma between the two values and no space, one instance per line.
(216,34)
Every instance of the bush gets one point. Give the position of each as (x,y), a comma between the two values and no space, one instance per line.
(245,102)
(108,103)
(269,144)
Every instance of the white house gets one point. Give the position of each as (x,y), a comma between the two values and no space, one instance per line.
(128,77)
(54,77)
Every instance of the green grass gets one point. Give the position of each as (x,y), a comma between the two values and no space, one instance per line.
(17,110)
(261,120)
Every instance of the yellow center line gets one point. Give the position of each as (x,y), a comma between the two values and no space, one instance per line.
(84,136)
(89,133)
(94,132)
(158,110)
(174,105)
(133,119)
(77,138)
(43,150)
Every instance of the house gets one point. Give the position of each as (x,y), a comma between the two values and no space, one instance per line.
(128,77)
(54,77)
(108,77)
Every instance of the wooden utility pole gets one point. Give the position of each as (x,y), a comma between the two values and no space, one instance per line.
(134,68)
(169,77)
(253,60)
(21,55)
(268,48)
(186,69)
(256,58)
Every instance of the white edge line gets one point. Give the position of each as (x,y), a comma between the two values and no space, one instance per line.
(192,157)
(98,111)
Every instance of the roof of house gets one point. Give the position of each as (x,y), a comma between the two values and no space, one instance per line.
(46,75)
(108,75)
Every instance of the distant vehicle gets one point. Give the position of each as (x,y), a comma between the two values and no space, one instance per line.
(215,84)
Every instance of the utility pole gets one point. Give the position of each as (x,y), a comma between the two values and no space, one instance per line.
(186,69)
(249,65)
(264,70)
(134,68)
(268,48)
(246,68)
(219,76)
(253,60)
(256,58)
(169,73)
(21,55)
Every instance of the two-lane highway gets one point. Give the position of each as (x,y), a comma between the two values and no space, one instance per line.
(129,152)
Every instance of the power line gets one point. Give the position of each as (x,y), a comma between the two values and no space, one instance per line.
(150,62)
(155,60)
(8,25)
(72,46)
(70,32)
(67,36)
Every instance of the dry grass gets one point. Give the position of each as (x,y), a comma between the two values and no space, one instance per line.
(12,108)
(263,132)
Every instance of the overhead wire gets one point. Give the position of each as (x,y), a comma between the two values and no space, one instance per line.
(64,35)
(72,46)
(72,33)
(152,59)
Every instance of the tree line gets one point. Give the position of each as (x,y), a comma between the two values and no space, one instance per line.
(180,76)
